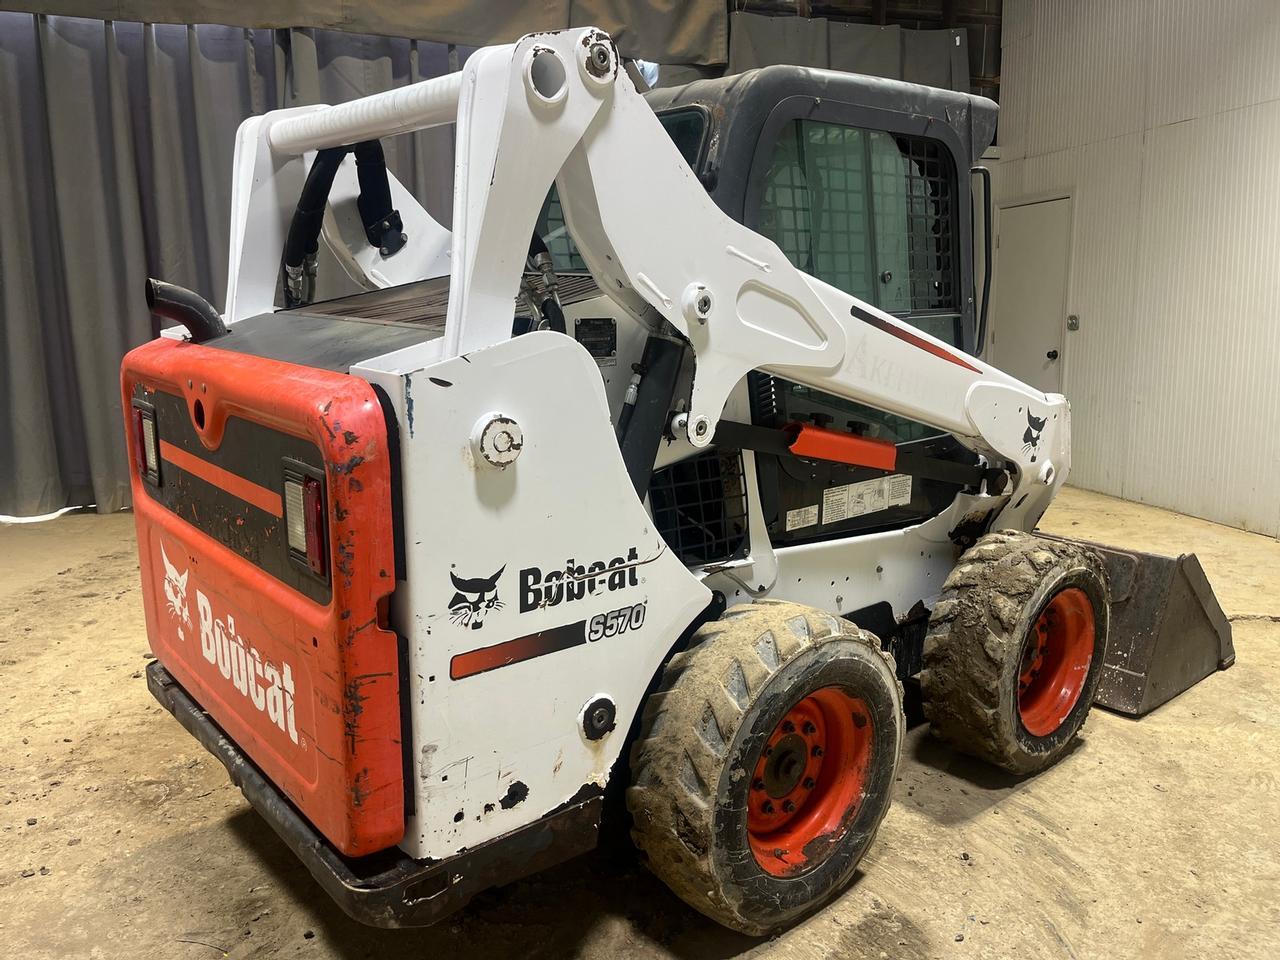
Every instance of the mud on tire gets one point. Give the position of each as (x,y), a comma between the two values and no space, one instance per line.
(987,635)
(735,732)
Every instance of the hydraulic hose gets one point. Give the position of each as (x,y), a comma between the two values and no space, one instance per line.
(641,434)
(382,225)
(553,315)
(308,218)
(550,308)
(172,302)
(537,245)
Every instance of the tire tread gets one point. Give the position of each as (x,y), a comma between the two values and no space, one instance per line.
(719,675)
(973,632)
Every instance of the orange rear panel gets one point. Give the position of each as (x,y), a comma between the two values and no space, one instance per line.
(298,670)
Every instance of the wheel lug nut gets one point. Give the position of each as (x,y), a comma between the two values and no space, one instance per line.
(788,726)
(816,751)
(788,806)
(757,784)
(809,783)
(809,728)
(768,806)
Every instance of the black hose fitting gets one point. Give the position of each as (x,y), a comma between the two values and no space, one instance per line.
(553,315)
(172,302)
(308,218)
(383,227)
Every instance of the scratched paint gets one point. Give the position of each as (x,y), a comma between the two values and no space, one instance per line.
(408,402)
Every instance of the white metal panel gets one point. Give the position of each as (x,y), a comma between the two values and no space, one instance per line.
(1211,57)
(1161,122)
(486,740)
(1209,286)
(1086,71)
(1015,99)
(1015,20)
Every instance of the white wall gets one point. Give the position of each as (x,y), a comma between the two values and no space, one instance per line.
(1161,119)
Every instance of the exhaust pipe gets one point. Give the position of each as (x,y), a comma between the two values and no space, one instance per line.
(172,302)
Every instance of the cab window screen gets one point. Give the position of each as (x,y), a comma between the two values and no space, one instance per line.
(871,213)
(685,128)
(874,214)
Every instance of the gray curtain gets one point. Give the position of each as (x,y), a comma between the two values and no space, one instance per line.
(115,164)
(936,58)
(667,31)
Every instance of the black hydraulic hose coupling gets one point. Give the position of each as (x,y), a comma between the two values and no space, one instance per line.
(308,219)
(553,315)
(537,245)
(382,224)
(172,302)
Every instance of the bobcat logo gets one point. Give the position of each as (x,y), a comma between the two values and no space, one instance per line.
(1031,439)
(175,592)
(474,599)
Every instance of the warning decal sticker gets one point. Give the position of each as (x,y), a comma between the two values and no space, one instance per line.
(803,517)
(870,496)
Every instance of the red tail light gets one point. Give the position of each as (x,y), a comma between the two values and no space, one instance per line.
(139,451)
(313,497)
(304,510)
(146,450)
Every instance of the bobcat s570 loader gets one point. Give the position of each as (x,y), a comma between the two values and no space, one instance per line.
(665,484)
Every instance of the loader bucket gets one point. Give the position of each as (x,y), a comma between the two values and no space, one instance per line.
(1167,630)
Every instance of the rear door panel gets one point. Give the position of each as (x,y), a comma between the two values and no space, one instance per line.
(299,670)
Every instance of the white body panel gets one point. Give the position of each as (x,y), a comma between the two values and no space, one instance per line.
(503,747)
(427,256)
(498,749)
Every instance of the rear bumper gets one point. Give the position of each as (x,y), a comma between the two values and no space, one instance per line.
(388,889)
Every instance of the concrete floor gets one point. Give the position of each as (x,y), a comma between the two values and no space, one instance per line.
(1158,838)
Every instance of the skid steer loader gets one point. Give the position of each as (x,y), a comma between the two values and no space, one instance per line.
(665,480)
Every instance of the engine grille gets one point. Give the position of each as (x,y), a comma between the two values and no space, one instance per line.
(425,302)
(700,507)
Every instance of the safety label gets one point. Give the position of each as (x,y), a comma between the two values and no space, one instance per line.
(802,517)
(869,496)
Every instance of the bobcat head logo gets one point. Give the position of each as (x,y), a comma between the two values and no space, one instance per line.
(1031,439)
(474,599)
(175,592)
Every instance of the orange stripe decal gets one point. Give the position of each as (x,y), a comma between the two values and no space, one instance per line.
(906,336)
(518,650)
(232,483)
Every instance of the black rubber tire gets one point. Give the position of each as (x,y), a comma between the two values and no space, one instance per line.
(702,733)
(977,633)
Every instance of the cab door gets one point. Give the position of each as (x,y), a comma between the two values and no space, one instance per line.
(879,212)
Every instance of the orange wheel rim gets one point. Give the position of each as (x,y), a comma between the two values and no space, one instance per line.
(809,781)
(1055,662)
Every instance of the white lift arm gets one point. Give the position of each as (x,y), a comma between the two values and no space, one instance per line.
(557,108)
